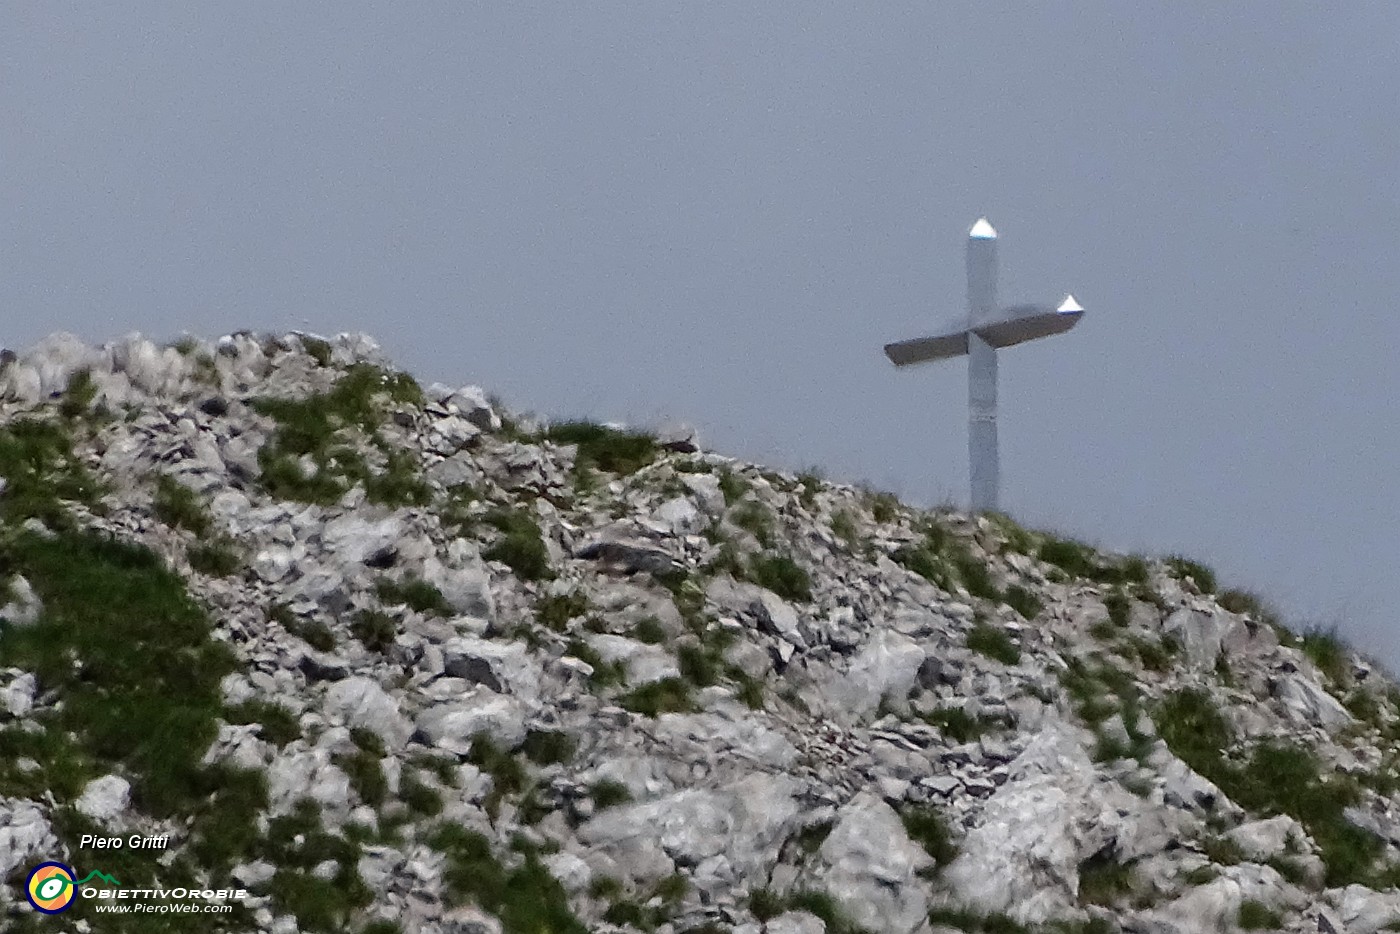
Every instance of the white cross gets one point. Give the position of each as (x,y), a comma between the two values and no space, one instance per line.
(986,328)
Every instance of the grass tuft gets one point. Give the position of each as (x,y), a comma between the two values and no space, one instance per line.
(1200,575)
(994,643)
(414,592)
(606,449)
(1257,916)
(669,695)
(520,547)
(782,575)
(526,899)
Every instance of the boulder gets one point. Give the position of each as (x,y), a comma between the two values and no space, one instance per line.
(795,922)
(644,663)
(1022,854)
(745,822)
(17,690)
(503,667)
(465,585)
(1362,910)
(24,607)
(680,516)
(361,702)
(870,867)
(451,726)
(1308,704)
(472,404)
(626,551)
(307,774)
(1261,840)
(1200,634)
(25,836)
(104,798)
(354,540)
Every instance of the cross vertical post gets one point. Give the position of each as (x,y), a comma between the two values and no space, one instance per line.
(987,328)
(983,458)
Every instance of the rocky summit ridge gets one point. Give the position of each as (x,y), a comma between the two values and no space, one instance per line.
(395,660)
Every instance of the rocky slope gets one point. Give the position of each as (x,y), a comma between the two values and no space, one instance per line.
(393,660)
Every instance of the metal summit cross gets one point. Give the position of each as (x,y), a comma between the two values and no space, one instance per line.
(986,328)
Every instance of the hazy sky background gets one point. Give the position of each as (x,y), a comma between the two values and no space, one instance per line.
(719,212)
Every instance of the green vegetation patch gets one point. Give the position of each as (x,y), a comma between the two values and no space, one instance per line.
(277,725)
(415,593)
(607,793)
(298,843)
(508,776)
(1200,575)
(607,449)
(756,519)
(883,507)
(399,483)
(41,472)
(927,827)
(1257,916)
(129,652)
(931,557)
(1103,880)
(1074,558)
(520,547)
(132,660)
(668,695)
(1078,560)
(993,642)
(765,904)
(1119,608)
(605,673)
(556,610)
(422,799)
(548,747)
(960,726)
(649,630)
(1328,651)
(843,526)
(1248,604)
(78,396)
(1098,691)
(733,486)
(1023,601)
(1275,777)
(316,348)
(782,575)
(219,556)
(314,427)
(375,629)
(179,507)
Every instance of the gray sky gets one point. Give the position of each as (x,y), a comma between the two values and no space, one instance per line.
(719,212)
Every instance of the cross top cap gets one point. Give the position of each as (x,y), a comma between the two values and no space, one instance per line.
(1069,306)
(982,230)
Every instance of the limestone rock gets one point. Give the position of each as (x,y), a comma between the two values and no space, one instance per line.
(104,798)
(451,726)
(871,867)
(361,702)
(25,836)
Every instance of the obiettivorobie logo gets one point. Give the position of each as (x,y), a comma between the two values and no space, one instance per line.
(52,886)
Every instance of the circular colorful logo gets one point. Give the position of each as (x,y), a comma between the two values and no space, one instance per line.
(51,888)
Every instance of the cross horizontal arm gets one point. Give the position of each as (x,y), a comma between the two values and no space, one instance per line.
(1013,325)
(924,349)
(1022,323)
